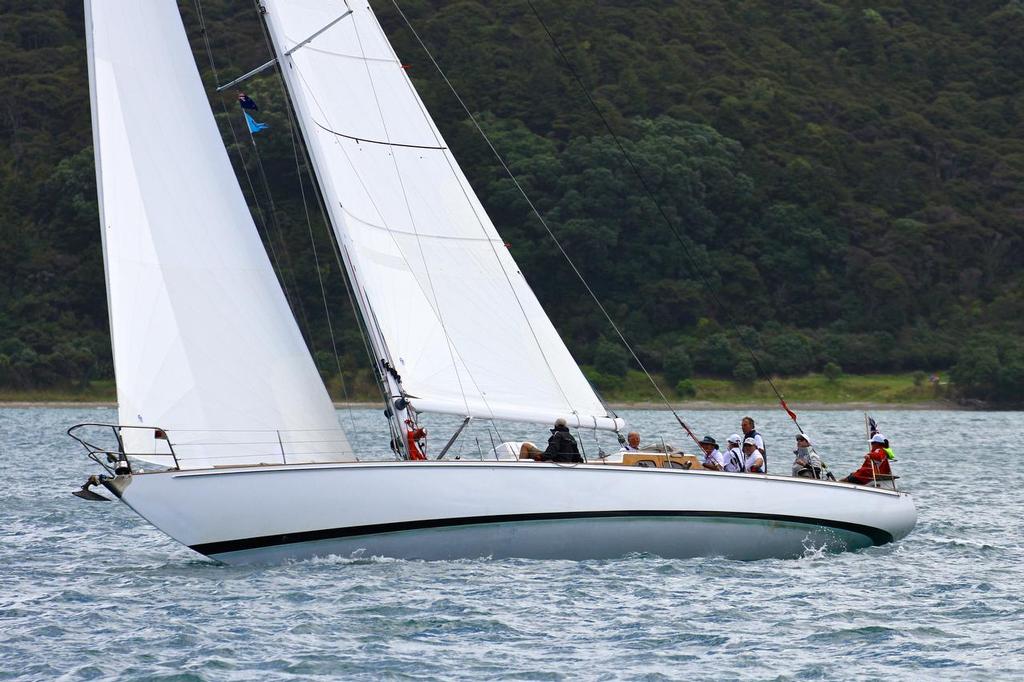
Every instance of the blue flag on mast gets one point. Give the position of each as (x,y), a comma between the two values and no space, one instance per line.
(254,126)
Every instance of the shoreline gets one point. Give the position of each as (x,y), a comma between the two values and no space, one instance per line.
(814,406)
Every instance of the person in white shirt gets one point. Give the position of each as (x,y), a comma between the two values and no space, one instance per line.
(713,459)
(747,424)
(753,459)
(632,442)
(734,454)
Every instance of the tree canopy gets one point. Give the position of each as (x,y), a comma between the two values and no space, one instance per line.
(847,176)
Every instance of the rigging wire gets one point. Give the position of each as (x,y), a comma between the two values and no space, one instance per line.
(452,165)
(280,236)
(412,219)
(543,222)
(292,134)
(694,263)
(401,253)
(466,193)
(334,347)
(252,189)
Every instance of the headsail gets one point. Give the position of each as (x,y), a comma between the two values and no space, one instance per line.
(459,322)
(204,343)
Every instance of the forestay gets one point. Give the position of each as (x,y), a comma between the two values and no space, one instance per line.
(204,343)
(452,309)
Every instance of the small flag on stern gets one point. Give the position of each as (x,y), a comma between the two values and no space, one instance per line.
(872,426)
(254,126)
(247,102)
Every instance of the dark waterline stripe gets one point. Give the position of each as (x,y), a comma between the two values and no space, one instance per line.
(877,535)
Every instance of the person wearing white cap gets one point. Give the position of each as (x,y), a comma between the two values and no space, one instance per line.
(807,463)
(734,454)
(875,463)
(753,461)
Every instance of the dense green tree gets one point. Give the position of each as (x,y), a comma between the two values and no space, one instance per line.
(845,180)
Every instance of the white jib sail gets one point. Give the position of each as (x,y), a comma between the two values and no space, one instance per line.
(205,345)
(462,326)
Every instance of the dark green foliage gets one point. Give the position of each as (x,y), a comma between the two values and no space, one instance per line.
(678,365)
(715,355)
(848,178)
(991,368)
(685,388)
(744,372)
(611,358)
(833,372)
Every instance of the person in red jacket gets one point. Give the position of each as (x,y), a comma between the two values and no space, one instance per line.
(875,462)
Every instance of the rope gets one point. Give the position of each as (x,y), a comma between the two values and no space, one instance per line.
(694,265)
(543,222)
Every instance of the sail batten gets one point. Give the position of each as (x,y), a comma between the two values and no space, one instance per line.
(460,323)
(205,345)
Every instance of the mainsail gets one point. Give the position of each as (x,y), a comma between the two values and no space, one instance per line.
(446,303)
(205,345)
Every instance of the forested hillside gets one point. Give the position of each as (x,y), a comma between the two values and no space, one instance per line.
(850,176)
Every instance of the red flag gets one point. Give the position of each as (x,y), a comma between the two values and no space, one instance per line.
(791,413)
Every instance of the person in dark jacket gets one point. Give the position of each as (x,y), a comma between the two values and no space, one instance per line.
(561,445)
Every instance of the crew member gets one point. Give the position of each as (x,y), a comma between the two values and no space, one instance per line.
(632,441)
(753,460)
(807,463)
(713,459)
(875,463)
(561,445)
(734,454)
(747,424)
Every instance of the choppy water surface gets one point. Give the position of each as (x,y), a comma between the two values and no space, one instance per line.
(88,590)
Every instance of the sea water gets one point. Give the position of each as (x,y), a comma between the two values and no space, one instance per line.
(90,591)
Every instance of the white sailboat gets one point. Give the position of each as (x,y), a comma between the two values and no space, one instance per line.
(227,440)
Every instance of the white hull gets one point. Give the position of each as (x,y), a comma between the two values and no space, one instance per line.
(449,510)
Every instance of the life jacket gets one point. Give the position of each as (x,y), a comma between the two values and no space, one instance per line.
(562,447)
(734,460)
(875,462)
(880,462)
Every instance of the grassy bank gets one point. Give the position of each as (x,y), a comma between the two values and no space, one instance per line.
(93,392)
(898,389)
(812,388)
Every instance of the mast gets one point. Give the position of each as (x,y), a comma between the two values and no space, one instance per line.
(447,307)
(396,404)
